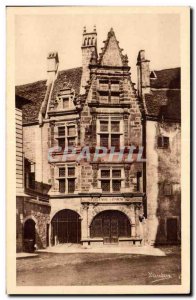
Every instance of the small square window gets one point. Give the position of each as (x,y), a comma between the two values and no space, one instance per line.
(115,126)
(116,173)
(61,172)
(105,173)
(104,126)
(167,189)
(71,171)
(61,131)
(163,142)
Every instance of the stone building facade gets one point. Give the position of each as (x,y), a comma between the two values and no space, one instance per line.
(96,111)
(159,92)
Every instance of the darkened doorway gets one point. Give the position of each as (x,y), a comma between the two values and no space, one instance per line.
(110,225)
(172,230)
(29,236)
(66,227)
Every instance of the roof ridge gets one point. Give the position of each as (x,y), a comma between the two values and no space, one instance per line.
(64,70)
(34,82)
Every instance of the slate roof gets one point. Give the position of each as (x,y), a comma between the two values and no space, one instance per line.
(70,76)
(35,92)
(164,103)
(168,78)
(164,100)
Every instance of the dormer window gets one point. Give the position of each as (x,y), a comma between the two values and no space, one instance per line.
(65,99)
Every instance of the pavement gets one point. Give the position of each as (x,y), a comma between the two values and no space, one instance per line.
(74,248)
(25,255)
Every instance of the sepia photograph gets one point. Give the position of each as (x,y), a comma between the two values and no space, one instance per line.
(99,108)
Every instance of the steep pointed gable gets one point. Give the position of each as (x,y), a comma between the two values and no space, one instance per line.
(111,53)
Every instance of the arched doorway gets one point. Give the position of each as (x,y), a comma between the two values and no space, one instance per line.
(29,235)
(66,227)
(110,225)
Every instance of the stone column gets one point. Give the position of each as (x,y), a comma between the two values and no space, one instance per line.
(85,227)
(126,132)
(50,234)
(132,208)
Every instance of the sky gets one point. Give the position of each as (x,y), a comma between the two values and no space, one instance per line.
(36,35)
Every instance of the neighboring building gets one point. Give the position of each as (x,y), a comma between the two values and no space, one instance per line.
(98,202)
(32,203)
(161,97)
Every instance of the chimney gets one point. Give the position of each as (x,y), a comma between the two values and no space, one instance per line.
(89,55)
(52,66)
(143,74)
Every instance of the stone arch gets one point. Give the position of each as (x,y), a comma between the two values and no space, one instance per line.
(122,209)
(66,227)
(63,208)
(31,217)
(29,234)
(110,224)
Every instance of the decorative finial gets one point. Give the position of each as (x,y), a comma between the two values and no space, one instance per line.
(125,60)
(111,32)
(84,31)
(94,28)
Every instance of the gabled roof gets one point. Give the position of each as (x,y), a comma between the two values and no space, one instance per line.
(164,99)
(111,54)
(35,92)
(71,77)
(168,78)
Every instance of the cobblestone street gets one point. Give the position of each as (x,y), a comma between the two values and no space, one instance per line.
(100,269)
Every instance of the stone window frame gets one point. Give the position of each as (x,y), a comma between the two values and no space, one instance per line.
(109,90)
(66,177)
(67,136)
(111,178)
(168,189)
(163,142)
(110,119)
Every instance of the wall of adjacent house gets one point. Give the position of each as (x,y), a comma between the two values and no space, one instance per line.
(19,152)
(19,225)
(35,139)
(163,168)
(40,213)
